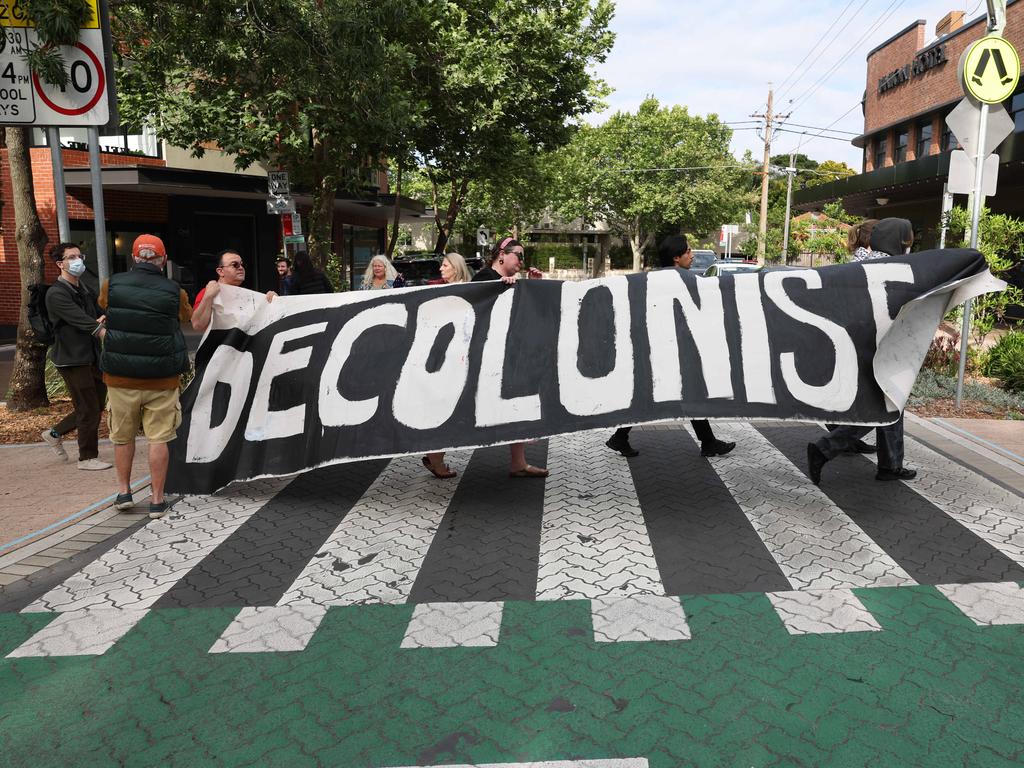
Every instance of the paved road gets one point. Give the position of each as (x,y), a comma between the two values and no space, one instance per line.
(665,611)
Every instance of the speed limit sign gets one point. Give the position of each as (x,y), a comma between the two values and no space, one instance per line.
(25,99)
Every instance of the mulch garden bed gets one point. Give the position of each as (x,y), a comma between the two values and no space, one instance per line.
(25,426)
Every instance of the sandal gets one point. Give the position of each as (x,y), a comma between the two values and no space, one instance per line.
(446,475)
(529,471)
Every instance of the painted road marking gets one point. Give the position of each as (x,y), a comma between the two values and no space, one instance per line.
(926,542)
(488,543)
(990,511)
(629,762)
(140,569)
(638,619)
(817,612)
(83,632)
(270,628)
(378,548)
(703,542)
(593,539)
(453,625)
(987,604)
(815,544)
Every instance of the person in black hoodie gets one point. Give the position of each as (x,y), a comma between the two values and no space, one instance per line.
(74,313)
(307,279)
(890,237)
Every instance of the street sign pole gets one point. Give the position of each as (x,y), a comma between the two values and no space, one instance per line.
(98,214)
(63,225)
(978,200)
(947,206)
(790,173)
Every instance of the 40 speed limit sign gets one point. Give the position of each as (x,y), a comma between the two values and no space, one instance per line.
(25,99)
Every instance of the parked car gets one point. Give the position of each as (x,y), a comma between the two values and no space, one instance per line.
(702,259)
(730,266)
(420,271)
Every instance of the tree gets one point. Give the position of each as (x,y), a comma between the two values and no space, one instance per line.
(829,171)
(325,90)
(504,76)
(658,168)
(56,23)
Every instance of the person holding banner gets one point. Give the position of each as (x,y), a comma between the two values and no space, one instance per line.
(506,261)
(230,271)
(453,270)
(888,237)
(675,252)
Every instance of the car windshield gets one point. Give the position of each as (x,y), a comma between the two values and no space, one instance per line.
(702,260)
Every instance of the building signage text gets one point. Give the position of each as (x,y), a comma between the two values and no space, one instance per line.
(925,60)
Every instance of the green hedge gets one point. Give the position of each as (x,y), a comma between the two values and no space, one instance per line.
(566,256)
(1006,360)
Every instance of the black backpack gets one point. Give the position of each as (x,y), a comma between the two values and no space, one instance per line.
(38,317)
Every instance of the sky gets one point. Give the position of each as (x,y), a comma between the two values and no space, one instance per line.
(717,56)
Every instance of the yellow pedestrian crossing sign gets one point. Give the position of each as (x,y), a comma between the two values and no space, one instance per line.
(991,69)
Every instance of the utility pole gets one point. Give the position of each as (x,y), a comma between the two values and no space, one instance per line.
(790,172)
(762,229)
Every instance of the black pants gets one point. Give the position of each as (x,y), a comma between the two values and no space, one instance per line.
(701,427)
(88,395)
(890,442)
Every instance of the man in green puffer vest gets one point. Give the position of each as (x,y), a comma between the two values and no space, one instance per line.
(144,355)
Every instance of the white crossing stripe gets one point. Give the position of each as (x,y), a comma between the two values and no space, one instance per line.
(453,625)
(139,570)
(84,632)
(593,538)
(638,619)
(376,551)
(987,604)
(822,611)
(266,629)
(617,762)
(815,544)
(991,512)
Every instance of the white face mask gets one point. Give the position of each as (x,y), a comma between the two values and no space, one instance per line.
(75,267)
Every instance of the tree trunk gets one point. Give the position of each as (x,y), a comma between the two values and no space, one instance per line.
(398,210)
(638,251)
(321,218)
(444,231)
(28,378)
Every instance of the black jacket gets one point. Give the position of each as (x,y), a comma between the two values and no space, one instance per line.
(73,312)
(144,339)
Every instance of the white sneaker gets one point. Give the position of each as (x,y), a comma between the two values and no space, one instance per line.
(55,443)
(94,464)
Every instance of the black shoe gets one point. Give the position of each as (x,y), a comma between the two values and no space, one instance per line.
(896,474)
(716,448)
(815,461)
(861,447)
(621,444)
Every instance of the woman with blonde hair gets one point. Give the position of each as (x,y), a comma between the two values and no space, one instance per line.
(381,273)
(453,270)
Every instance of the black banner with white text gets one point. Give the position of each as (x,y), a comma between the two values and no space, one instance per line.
(306,381)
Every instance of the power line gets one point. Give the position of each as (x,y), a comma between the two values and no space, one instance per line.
(830,124)
(825,47)
(819,136)
(819,128)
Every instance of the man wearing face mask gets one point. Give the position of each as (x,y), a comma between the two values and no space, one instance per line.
(77,332)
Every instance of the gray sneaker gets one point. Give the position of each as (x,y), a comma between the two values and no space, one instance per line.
(56,443)
(158,510)
(124,501)
(94,464)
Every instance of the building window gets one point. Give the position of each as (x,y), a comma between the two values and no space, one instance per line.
(948,141)
(899,152)
(924,140)
(1017,112)
(881,144)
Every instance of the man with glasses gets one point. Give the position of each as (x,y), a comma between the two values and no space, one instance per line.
(230,271)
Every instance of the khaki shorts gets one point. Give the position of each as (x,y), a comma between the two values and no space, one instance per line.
(157,411)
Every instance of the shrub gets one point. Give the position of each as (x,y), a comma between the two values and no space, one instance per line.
(943,355)
(566,256)
(931,385)
(1006,360)
(621,256)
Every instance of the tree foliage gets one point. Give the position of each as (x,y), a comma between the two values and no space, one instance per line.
(659,168)
(324,90)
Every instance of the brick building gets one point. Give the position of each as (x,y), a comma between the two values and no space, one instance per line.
(912,84)
(199,206)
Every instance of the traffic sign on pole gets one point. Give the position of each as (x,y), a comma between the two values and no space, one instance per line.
(25,99)
(991,69)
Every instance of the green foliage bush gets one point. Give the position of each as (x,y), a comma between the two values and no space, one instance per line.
(621,256)
(566,256)
(1006,360)
(931,385)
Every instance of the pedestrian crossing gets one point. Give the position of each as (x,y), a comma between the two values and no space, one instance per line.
(627,536)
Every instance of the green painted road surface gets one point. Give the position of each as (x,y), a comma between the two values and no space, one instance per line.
(929,688)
